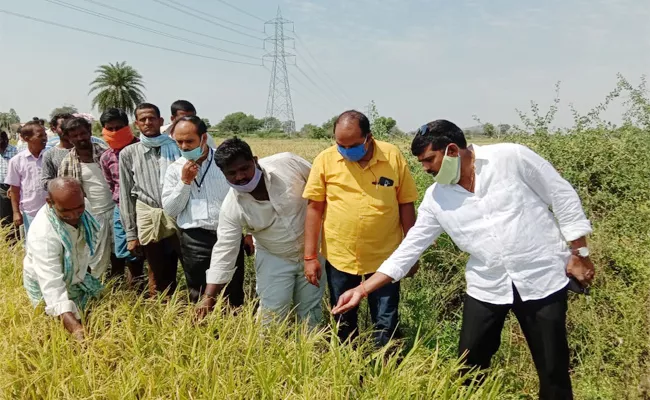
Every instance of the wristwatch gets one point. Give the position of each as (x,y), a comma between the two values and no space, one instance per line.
(582,252)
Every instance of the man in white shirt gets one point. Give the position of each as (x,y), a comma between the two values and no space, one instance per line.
(266,200)
(82,163)
(493,201)
(193,192)
(58,252)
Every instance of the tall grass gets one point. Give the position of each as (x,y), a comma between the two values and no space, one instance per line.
(153,349)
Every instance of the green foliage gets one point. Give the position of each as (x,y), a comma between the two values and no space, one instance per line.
(272,124)
(117,85)
(381,127)
(206,122)
(314,132)
(7,119)
(239,122)
(66,109)
(489,130)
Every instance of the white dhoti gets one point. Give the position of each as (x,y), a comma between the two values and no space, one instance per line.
(101,259)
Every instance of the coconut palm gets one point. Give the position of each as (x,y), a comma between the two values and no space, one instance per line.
(117,85)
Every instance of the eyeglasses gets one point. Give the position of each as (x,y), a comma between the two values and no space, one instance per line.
(424,129)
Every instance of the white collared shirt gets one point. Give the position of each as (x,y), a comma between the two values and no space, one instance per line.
(195,206)
(506,226)
(277,225)
(44,263)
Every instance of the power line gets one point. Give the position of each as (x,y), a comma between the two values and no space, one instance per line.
(338,96)
(136,26)
(204,19)
(317,63)
(170,25)
(312,81)
(215,17)
(240,10)
(153,46)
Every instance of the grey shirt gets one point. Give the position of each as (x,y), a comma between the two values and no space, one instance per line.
(139,180)
(51,161)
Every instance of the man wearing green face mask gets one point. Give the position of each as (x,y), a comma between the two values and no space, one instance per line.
(193,192)
(493,201)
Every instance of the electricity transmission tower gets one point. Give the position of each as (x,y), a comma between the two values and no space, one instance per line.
(279,103)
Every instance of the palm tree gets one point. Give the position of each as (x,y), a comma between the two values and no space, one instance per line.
(117,85)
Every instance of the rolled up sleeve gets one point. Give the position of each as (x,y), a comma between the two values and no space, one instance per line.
(418,239)
(225,251)
(556,192)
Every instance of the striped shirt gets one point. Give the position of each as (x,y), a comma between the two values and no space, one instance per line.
(195,206)
(9,152)
(139,180)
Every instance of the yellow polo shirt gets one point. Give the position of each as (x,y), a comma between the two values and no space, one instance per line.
(361,226)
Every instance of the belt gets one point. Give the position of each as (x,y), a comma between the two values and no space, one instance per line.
(210,231)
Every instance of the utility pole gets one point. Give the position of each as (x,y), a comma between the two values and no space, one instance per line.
(279,103)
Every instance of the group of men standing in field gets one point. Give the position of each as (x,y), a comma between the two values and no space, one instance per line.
(347,221)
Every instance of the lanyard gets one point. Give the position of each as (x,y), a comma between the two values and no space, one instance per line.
(206,171)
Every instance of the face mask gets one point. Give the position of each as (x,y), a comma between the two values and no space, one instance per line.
(119,139)
(449,173)
(355,153)
(250,186)
(195,154)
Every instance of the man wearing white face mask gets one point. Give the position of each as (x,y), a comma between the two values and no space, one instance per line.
(193,192)
(493,201)
(266,200)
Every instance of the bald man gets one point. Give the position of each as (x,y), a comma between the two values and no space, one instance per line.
(58,254)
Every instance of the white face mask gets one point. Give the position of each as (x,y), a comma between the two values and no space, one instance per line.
(250,186)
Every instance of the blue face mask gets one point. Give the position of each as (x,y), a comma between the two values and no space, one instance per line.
(193,155)
(355,153)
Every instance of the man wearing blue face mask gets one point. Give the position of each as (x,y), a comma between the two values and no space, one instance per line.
(193,192)
(266,200)
(525,231)
(362,193)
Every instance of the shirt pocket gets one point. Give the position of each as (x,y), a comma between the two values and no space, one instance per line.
(382,199)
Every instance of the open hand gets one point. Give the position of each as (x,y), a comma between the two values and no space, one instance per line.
(348,301)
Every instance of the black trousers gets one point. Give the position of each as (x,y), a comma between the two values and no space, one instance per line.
(162,258)
(196,245)
(543,323)
(383,304)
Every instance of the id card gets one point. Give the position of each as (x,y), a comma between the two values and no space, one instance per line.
(199,208)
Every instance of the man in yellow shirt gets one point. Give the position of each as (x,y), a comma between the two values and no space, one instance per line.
(361,193)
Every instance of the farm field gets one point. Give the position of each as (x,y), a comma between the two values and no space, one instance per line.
(140,348)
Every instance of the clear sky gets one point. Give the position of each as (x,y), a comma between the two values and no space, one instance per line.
(418,59)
